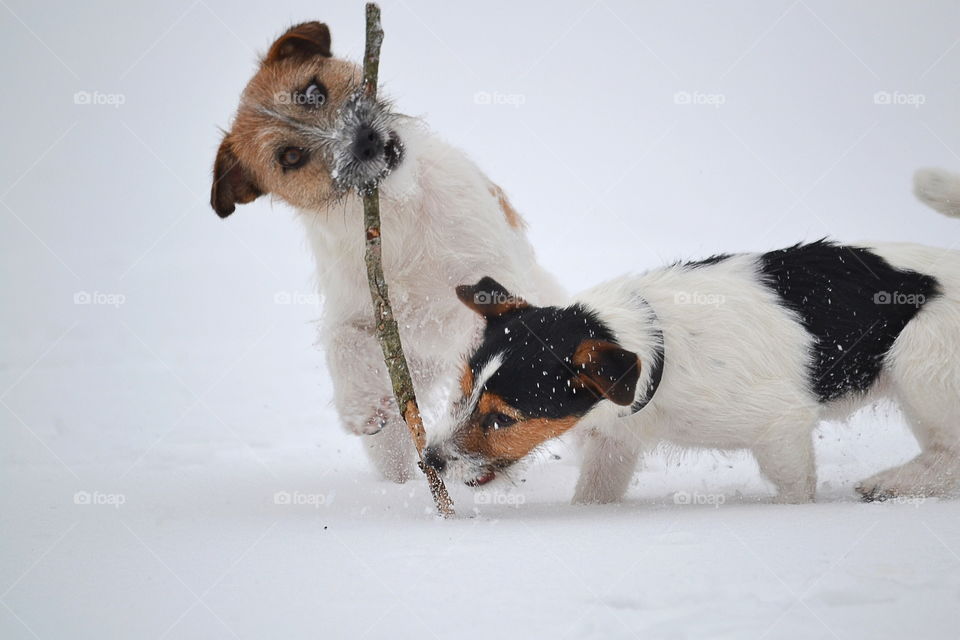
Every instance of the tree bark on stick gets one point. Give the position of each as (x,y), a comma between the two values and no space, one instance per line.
(388,334)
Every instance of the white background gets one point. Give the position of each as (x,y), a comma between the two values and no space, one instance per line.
(197,397)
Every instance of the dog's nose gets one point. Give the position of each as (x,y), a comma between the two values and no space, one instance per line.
(368,144)
(433,459)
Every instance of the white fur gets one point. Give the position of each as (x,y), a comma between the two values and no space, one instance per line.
(736,377)
(938,188)
(442,226)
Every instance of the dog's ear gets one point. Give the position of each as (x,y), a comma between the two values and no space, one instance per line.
(232,183)
(489,298)
(304,40)
(606,369)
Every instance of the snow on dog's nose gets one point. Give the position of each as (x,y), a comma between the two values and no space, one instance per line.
(365,146)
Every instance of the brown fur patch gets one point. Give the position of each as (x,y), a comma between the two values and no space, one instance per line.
(607,370)
(232,183)
(489,298)
(466,381)
(514,219)
(301,41)
(509,444)
(256,138)
(515,442)
(492,403)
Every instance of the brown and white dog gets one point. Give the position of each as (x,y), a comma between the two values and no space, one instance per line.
(304,134)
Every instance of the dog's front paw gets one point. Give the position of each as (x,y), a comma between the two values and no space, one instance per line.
(595,494)
(891,484)
(378,418)
(872,493)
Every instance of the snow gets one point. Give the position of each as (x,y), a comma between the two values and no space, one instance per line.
(170,465)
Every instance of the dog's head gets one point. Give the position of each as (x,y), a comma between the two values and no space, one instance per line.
(537,371)
(303,130)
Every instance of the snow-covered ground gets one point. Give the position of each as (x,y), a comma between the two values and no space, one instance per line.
(171,466)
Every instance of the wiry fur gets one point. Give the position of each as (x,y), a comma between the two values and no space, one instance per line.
(940,189)
(738,375)
(443,222)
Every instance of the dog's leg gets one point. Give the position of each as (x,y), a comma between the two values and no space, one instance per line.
(607,468)
(390,449)
(928,390)
(788,462)
(364,399)
(935,471)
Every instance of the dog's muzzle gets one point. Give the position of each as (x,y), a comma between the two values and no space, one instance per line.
(369,145)
(366,147)
(441,461)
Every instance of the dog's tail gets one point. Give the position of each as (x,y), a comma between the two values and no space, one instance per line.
(940,189)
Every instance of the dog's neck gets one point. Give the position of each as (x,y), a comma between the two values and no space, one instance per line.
(637,328)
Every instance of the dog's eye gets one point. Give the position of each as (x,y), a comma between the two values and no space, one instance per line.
(496,421)
(292,157)
(313,96)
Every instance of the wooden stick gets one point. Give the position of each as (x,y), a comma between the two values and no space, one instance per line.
(388,334)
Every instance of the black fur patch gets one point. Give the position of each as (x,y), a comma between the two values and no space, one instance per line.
(538,344)
(854,304)
(706,262)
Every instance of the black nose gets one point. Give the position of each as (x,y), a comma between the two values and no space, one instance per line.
(433,459)
(368,144)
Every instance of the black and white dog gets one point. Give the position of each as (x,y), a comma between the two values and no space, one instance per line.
(746,351)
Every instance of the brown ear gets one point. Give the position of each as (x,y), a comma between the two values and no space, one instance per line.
(608,370)
(489,298)
(232,183)
(304,40)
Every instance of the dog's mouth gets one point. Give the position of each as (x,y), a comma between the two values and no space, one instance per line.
(485,476)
